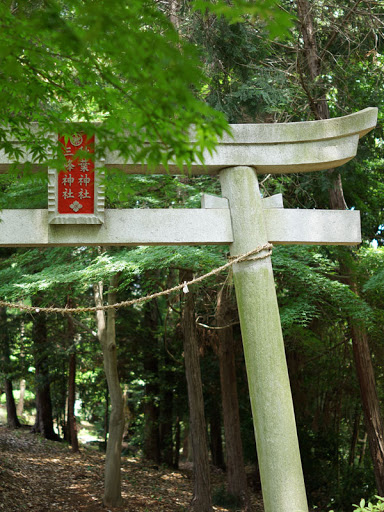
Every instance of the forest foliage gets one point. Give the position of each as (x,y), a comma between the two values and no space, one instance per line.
(207,69)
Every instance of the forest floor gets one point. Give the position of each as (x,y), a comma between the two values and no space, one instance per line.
(45,476)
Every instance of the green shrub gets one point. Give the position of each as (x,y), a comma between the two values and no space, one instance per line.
(370,507)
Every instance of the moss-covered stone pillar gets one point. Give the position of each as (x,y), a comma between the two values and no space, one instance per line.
(269,388)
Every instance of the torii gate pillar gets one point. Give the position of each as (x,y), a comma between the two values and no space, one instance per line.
(269,388)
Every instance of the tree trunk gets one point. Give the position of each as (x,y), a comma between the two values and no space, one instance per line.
(151,446)
(128,416)
(173,8)
(236,477)
(72,385)
(363,449)
(215,437)
(44,421)
(315,88)
(177,443)
(107,337)
(20,403)
(71,403)
(370,400)
(201,501)
(166,416)
(5,347)
(316,94)
(106,417)
(355,438)
(12,419)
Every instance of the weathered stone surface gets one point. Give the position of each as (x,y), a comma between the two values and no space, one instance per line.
(276,147)
(282,147)
(275,201)
(209,201)
(320,227)
(270,394)
(176,227)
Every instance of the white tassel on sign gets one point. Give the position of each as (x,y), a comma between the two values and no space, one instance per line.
(185,287)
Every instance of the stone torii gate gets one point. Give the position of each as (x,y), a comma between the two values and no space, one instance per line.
(242,219)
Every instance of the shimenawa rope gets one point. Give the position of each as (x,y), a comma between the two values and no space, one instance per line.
(249,256)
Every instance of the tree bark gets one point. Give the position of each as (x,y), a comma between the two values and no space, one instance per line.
(355,437)
(236,476)
(166,416)
(177,443)
(20,403)
(215,437)
(106,417)
(12,419)
(173,7)
(74,442)
(151,446)
(363,449)
(107,337)
(314,89)
(71,403)
(316,94)
(44,420)
(370,400)
(201,501)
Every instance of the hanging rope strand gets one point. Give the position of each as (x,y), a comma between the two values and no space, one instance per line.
(249,256)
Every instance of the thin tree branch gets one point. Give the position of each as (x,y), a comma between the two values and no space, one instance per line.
(39,72)
(83,326)
(323,353)
(306,90)
(336,32)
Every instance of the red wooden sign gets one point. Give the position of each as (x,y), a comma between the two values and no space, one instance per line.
(76,185)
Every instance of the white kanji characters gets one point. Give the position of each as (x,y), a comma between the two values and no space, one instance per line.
(84,180)
(68,179)
(84,164)
(69,165)
(67,193)
(84,194)
(68,151)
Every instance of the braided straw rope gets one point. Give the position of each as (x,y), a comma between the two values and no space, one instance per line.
(249,256)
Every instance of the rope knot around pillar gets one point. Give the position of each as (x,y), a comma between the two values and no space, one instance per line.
(259,253)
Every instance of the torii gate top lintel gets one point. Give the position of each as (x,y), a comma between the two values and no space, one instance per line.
(279,148)
(270,147)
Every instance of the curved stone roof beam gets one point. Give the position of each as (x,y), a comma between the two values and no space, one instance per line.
(271,147)
(280,147)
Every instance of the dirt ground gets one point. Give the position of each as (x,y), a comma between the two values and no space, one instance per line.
(45,476)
